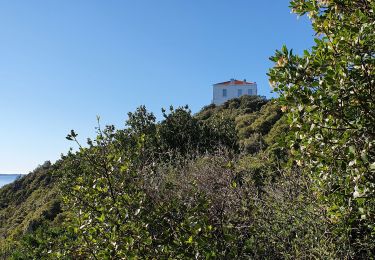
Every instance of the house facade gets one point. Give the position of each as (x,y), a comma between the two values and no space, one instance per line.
(224,91)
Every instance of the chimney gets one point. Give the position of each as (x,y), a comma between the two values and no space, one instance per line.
(232,81)
(244,80)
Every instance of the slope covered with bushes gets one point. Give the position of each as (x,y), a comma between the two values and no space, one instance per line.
(26,204)
(181,149)
(217,184)
(237,181)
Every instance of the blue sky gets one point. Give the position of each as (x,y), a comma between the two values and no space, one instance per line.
(64,62)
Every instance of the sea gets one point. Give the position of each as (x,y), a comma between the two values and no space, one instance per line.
(8,178)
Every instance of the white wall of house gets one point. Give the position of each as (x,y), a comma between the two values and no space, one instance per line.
(232,91)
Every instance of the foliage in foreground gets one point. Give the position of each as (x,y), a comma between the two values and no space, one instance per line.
(119,203)
(329,94)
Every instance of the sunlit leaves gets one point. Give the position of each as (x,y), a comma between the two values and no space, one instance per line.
(329,96)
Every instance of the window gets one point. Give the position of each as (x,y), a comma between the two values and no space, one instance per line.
(224,92)
(249,91)
(240,92)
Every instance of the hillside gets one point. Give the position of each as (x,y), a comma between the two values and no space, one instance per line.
(218,184)
(26,203)
(245,126)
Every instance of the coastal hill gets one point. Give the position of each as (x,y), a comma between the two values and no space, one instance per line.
(246,127)
(222,183)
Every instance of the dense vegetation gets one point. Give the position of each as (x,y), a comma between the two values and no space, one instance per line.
(329,94)
(149,180)
(287,178)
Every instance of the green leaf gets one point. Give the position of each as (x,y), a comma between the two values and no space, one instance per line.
(190,240)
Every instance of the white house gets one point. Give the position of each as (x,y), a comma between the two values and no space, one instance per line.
(224,91)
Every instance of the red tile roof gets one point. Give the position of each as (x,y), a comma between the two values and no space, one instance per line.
(235,82)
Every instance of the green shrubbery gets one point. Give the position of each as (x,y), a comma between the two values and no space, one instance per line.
(237,181)
(328,94)
(124,201)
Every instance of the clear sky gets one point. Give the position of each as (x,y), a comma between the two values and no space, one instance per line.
(64,62)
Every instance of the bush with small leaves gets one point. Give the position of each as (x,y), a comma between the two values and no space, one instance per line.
(328,94)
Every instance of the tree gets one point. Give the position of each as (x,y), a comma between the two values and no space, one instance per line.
(329,96)
(179,130)
(139,125)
